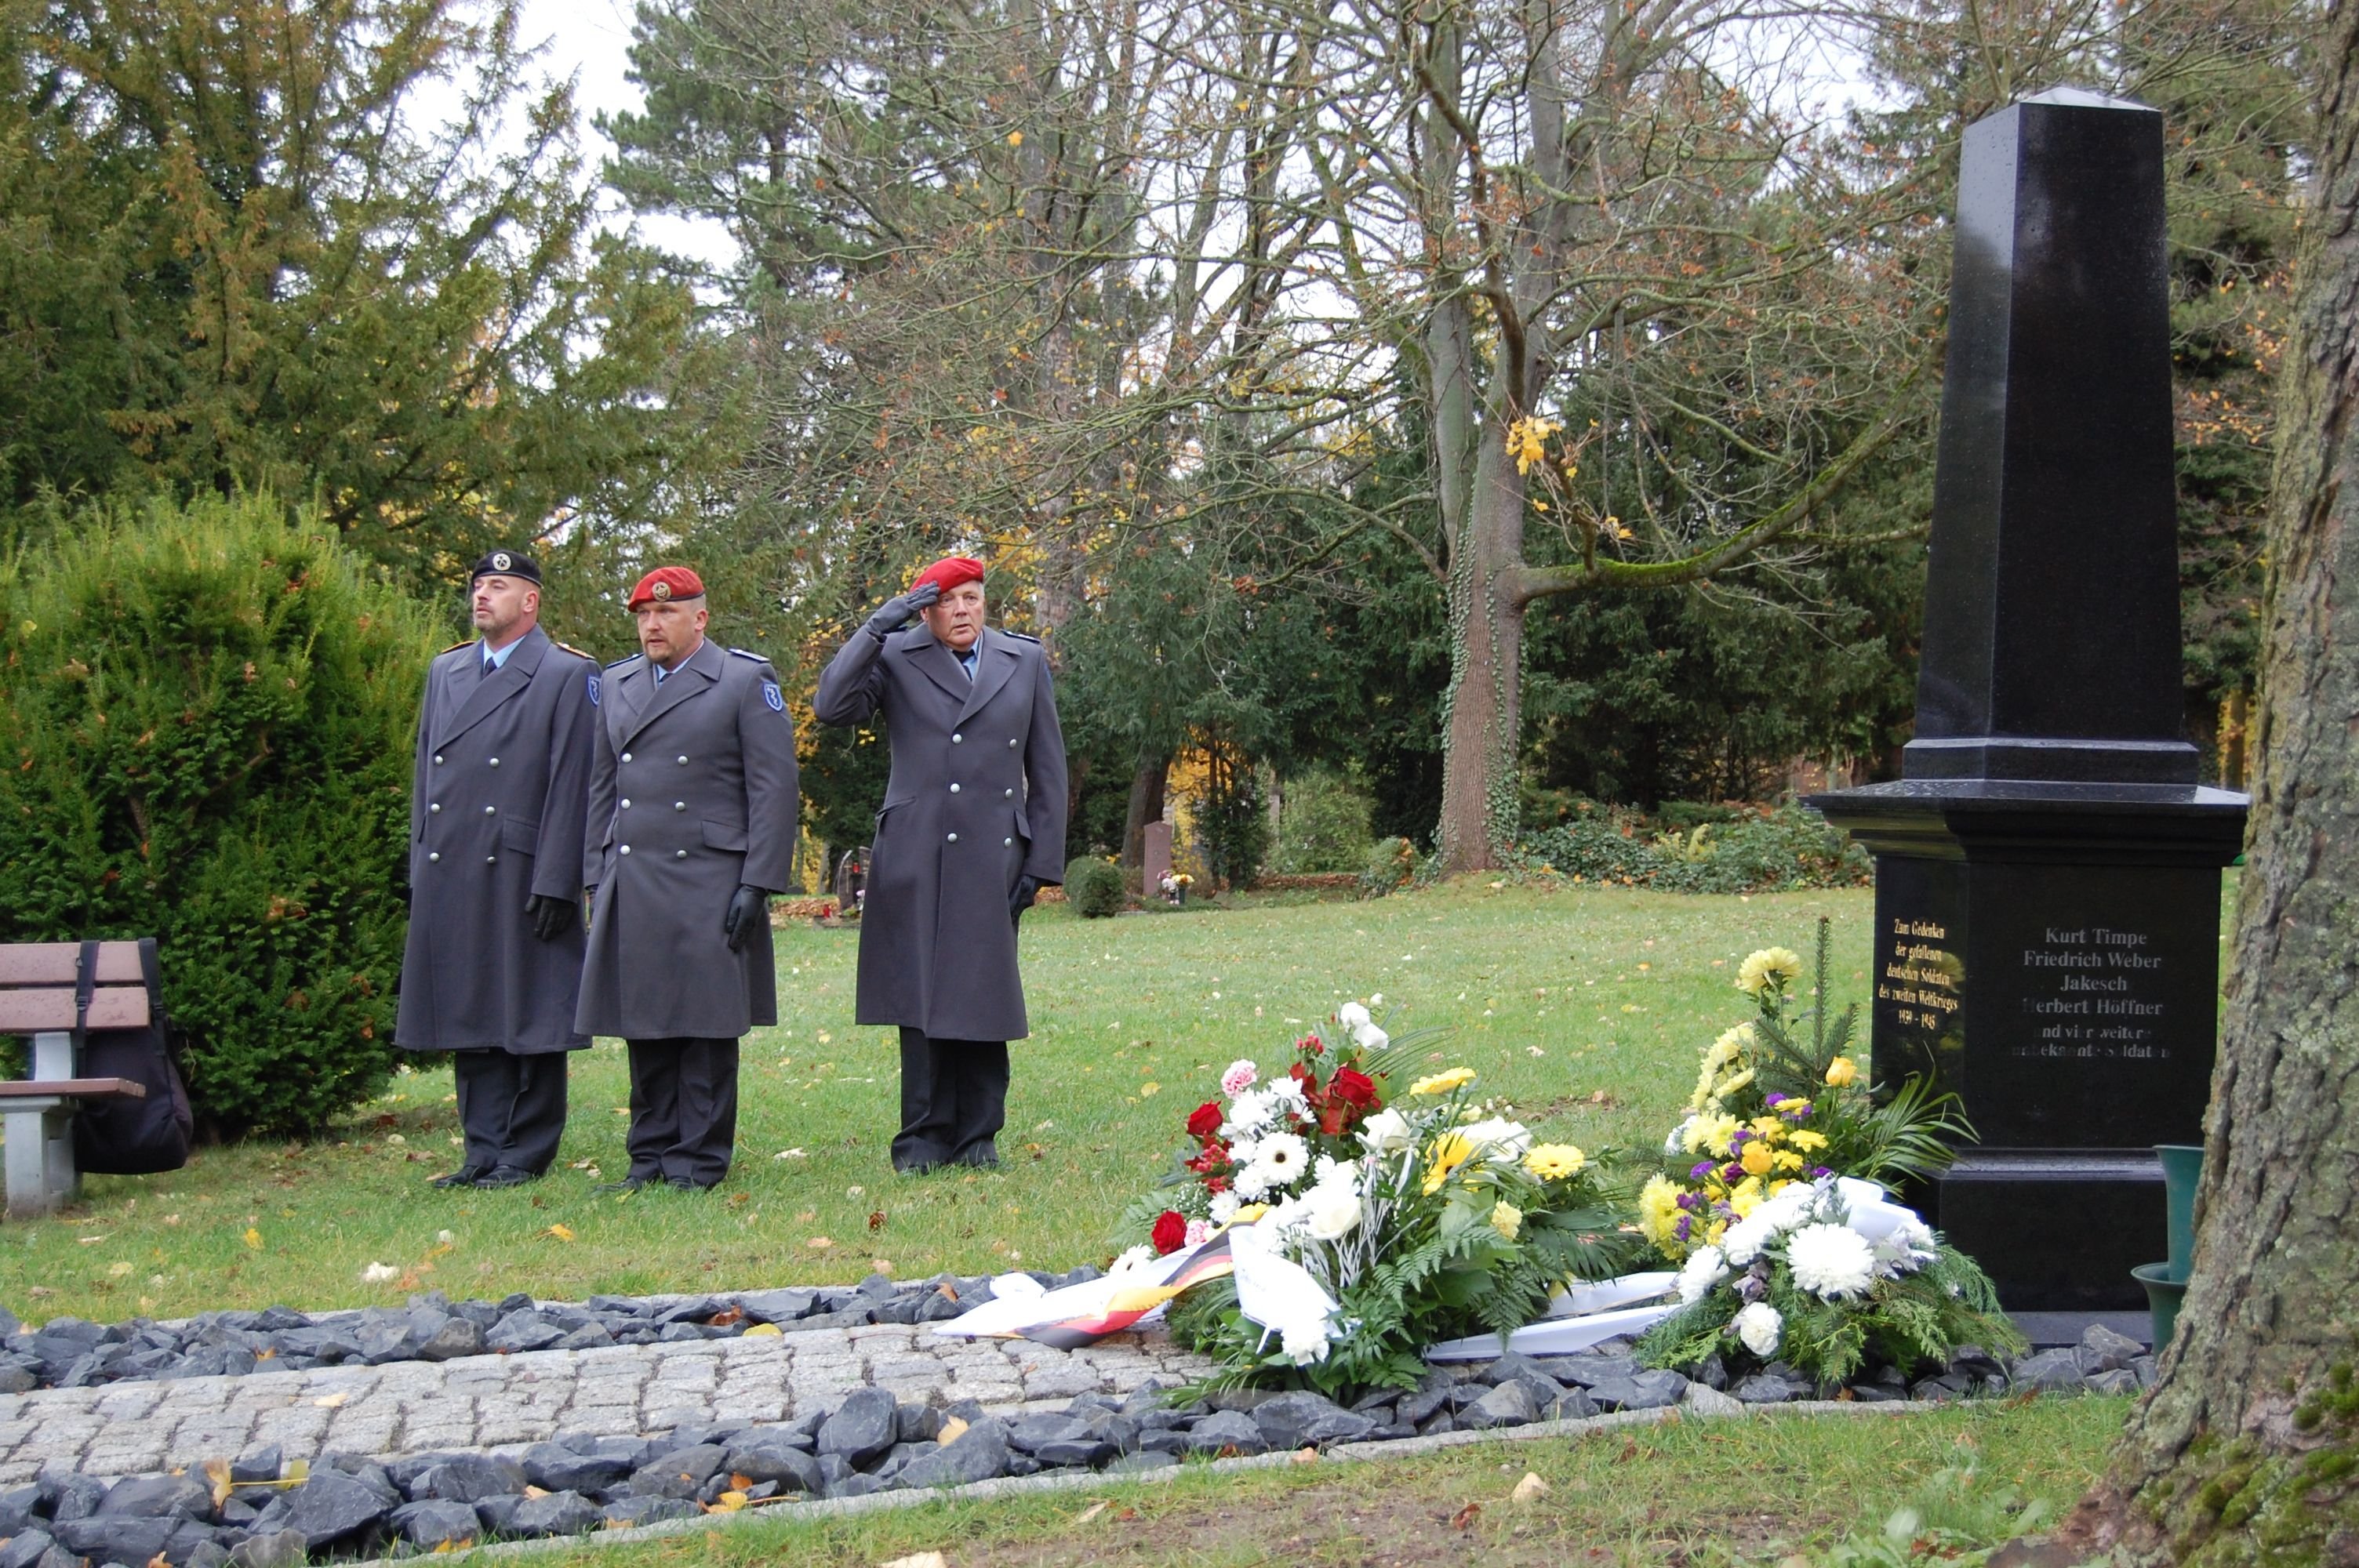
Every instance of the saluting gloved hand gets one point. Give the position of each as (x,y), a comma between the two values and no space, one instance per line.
(1020,897)
(748,908)
(551,917)
(894,612)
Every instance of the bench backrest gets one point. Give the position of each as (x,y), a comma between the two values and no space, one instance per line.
(36,987)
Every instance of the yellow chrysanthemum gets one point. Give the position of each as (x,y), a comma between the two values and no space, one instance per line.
(1447,1153)
(1769,967)
(1732,1083)
(1442,1083)
(1841,1072)
(1506,1219)
(1709,1134)
(1769,1129)
(1658,1210)
(1745,1196)
(1787,1160)
(1729,1046)
(1554,1162)
(1806,1141)
(1758,1159)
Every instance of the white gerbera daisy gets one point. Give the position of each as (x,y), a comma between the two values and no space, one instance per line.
(1282,1159)
(1760,1328)
(1831,1261)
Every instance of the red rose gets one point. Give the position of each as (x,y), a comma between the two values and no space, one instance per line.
(1334,1118)
(1170,1232)
(1311,1043)
(1353,1087)
(1206,1119)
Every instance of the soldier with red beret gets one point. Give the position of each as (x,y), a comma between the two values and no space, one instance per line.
(692,828)
(972,826)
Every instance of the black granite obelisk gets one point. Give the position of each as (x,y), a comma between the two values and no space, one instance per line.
(2047,869)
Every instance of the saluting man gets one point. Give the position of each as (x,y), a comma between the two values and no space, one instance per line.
(494,963)
(973,825)
(692,828)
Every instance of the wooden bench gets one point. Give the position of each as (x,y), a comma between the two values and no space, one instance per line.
(37,983)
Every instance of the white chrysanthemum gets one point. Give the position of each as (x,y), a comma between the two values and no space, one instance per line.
(1743,1240)
(1760,1328)
(1791,1206)
(1136,1258)
(1241,1149)
(1351,1016)
(1333,1212)
(1705,1267)
(1386,1132)
(1305,1340)
(1329,1172)
(1498,1139)
(1252,1183)
(1907,1249)
(1225,1206)
(1831,1261)
(1676,1143)
(1251,1111)
(1282,1159)
(1286,1095)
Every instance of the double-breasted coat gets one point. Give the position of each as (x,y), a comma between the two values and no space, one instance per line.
(692,794)
(496,818)
(976,799)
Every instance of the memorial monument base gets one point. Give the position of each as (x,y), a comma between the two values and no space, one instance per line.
(2050,953)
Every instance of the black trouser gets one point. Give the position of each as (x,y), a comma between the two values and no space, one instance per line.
(683,1110)
(953,1101)
(511,1107)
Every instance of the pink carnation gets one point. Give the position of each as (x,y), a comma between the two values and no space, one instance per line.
(1199,1232)
(1241,1077)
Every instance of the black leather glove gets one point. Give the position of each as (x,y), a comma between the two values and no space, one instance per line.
(748,908)
(1020,897)
(551,917)
(894,612)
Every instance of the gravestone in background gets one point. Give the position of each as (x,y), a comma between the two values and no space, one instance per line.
(2048,868)
(1155,858)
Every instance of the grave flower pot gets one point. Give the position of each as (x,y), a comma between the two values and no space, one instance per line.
(2163,1293)
(2182,1164)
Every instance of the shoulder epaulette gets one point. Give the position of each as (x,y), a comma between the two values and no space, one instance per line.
(577,652)
(758,658)
(1021,636)
(463,643)
(626,659)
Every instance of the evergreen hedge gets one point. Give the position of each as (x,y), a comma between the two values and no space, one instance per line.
(208,715)
(1095,887)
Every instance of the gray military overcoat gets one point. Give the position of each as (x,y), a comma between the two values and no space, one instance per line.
(495,818)
(976,799)
(692,794)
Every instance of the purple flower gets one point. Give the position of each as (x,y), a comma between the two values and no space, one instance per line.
(1773,1099)
(1689,1201)
(1701,1171)
(1749,1289)
(1682,1228)
(1732,1172)
(1737,1138)
(1818,1171)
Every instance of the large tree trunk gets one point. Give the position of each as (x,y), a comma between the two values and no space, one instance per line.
(1146,806)
(1479,784)
(2248,1448)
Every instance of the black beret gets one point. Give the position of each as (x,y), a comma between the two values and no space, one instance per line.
(507,563)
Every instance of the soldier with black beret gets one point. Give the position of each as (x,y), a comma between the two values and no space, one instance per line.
(493,968)
(692,827)
(972,826)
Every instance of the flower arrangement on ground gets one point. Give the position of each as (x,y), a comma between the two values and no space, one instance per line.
(1776,1206)
(1379,1222)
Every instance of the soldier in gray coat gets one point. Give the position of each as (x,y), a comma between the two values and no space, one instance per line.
(972,826)
(692,827)
(494,961)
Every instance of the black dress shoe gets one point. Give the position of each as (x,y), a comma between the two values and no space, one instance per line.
(682,1185)
(464,1176)
(507,1176)
(628,1185)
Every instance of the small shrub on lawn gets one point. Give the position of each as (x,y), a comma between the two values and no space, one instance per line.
(1752,853)
(1390,866)
(1095,887)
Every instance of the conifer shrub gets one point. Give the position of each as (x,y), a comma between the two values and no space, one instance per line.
(1095,887)
(206,722)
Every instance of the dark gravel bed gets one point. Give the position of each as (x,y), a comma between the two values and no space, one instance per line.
(72,1353)
(348,1507)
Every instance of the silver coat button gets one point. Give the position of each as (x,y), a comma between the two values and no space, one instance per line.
(1011,740)
(438,759)
(956,738)
(680,806)
(626,756)
(433,854)
(491,811)
(490,859)
(436,805)
(1007,840)
(624,850)
(680,854)
(1010,793)
(953,838)
(626,805)
(681,760)
(496,762)
(954,789)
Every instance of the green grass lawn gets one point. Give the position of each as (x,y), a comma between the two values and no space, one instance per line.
(1583,1006)
(1779,1488)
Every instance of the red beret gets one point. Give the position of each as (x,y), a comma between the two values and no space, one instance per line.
(666,582)
(949,572)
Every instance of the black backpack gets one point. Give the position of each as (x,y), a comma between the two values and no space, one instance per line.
(127,1137)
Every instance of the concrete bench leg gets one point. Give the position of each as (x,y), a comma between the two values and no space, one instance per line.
(39,1157)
